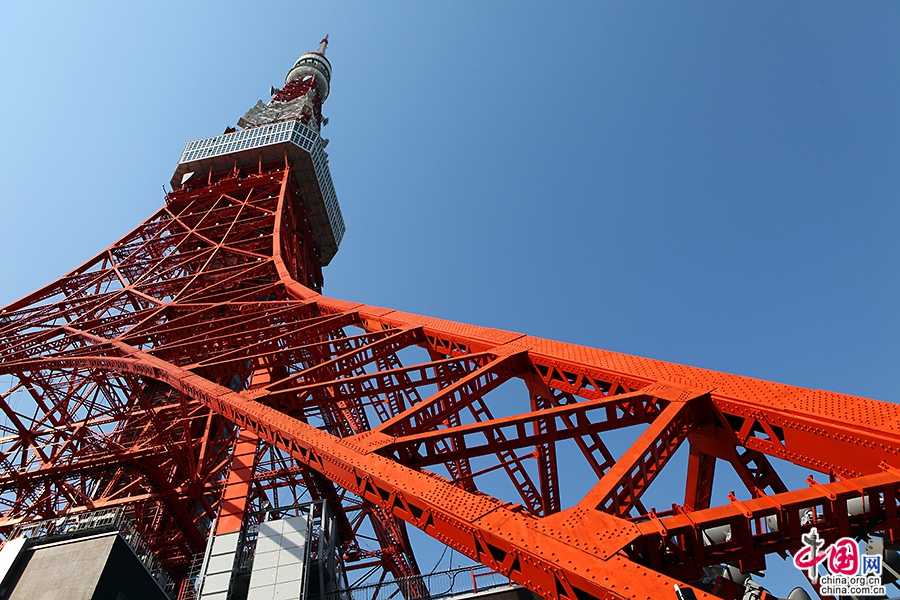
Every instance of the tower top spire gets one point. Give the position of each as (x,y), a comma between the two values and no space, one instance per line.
(306,87)
(313,65)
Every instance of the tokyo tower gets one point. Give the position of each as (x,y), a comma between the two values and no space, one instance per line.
(192,381)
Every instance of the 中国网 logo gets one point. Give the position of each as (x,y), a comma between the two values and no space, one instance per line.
(849,571)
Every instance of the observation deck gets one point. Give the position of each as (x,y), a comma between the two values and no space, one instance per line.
(303,147)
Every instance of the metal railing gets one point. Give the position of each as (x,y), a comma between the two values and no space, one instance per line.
(443,584)
(107,519)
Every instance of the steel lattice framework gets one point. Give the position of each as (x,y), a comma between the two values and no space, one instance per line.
(191,372)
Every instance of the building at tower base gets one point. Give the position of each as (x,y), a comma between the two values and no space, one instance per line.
(101,560)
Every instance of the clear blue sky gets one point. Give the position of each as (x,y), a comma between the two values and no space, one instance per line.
(713,184)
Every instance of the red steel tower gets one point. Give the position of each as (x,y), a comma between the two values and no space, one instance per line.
(193,374)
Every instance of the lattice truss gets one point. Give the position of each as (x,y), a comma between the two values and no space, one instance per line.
(136,379)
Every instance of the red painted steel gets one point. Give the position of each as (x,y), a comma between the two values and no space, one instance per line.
(189,372)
